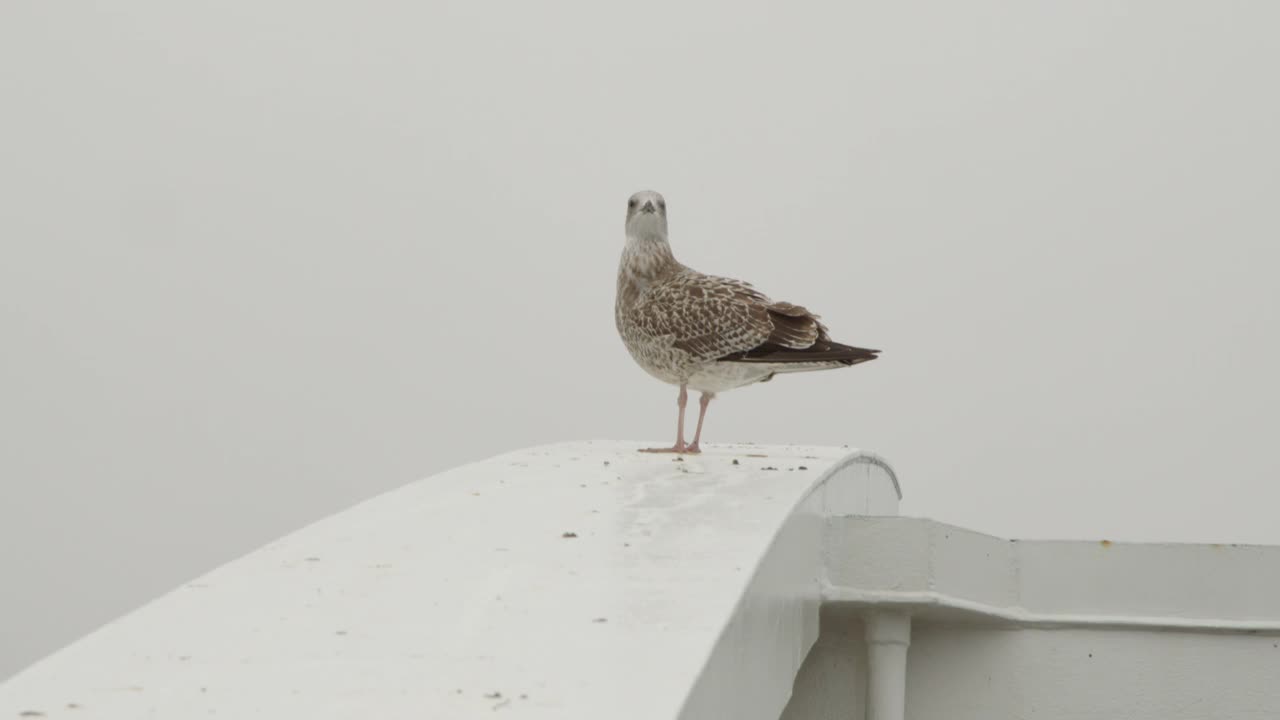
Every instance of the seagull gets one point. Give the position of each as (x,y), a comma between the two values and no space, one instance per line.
(707,333)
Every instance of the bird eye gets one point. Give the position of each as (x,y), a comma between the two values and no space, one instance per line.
(662,204)
(631,203)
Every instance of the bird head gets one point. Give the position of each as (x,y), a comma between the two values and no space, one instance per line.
(646,214)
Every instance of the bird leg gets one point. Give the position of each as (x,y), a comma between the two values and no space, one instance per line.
(679,447)
(703,402)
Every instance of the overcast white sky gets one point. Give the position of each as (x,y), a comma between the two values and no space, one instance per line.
(262,259)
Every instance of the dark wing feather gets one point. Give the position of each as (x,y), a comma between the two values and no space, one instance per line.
(799,337)
(821,351)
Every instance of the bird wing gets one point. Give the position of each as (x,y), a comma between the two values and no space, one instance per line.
(715,318)
(725,319)
(703,315)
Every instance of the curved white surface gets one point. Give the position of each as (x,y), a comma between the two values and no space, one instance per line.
(568,581)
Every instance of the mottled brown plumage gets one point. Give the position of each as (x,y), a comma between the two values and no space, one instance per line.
(705,332)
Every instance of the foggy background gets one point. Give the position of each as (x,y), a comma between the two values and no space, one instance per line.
(260,260)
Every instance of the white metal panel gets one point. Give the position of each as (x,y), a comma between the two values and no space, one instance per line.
(752,668)
(961,672)
(1237,582)
(941,569)
(582,580)
(832,682)
(1052,630)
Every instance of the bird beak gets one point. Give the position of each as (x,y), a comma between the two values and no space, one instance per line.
(647,207)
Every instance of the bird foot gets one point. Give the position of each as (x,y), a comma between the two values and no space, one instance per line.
(680,449)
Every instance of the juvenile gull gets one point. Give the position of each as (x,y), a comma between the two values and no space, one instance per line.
(708,333)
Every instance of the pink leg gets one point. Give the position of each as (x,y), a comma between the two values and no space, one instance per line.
(679,447)
(703,402)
